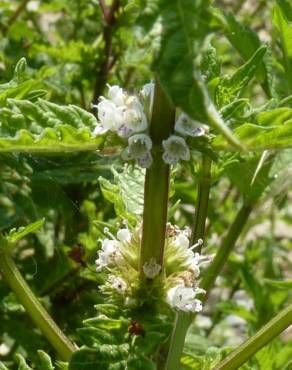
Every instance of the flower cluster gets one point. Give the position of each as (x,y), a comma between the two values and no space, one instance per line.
(128,116)
(125,115)
(176,281)
(175,147)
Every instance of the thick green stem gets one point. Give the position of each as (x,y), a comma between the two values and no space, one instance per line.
(157,181)
(183,320)
(33,307)
(265,335)
(227,246)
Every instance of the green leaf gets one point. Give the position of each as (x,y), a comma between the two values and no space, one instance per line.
(282,21)
(271,130)
(2,366)
(246,42)
(22,365)
(126,193)
(98,358)
(184,26)
(44,127)
(280,284)
(45,361)
(16,234)
(230,88)
(250,176)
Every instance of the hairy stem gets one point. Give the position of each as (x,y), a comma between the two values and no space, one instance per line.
(265,335)
(157,181)
(227,246)
(34,308)
(183,320)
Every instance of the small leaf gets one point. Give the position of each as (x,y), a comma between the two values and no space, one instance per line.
(2,366)
(45,361)
(246,42)
(229,88)
(16,234)
(126,193)
(22,365)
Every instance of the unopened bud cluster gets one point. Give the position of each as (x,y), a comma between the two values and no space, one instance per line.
(176,283)
(129,117)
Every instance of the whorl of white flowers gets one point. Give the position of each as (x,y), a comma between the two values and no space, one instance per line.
(119,257)
(128,116)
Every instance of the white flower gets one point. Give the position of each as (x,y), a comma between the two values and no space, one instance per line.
(109,255)
(124,235)
(108,115)
(116,95)
(151,269)
(147,90)
(139,148)
(118,284)
(181,241)
(175,148)
(186,126)
(145,160)
(184,298)
(147,93)
(32,6)
(196,262)
(132,117)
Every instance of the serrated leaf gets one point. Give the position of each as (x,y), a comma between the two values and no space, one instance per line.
(44,127)
(126,193)
(246,42)
(230,88)
(16,234)
(184,26)
(90,336)
(22,365)
(281,10)
(271,130)
(98,358)
(45,361)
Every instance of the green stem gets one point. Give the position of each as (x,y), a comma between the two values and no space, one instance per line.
(265,335)
(157,181)
(201,211)
(227,246)
(183,320)
(35,310)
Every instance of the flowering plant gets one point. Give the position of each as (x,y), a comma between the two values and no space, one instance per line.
(151,141)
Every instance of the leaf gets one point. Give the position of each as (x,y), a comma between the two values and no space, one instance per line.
(246,42)
(22,365)
(16,234)
(44,127)
(282,10)
(271,130)
(230,88)
(184,26)
(126,193)
(2,366)
(98,358)
(280,284)
(250,176)
(45,361)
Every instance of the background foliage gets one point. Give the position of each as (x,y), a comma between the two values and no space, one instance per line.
(72,50)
